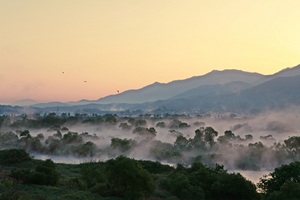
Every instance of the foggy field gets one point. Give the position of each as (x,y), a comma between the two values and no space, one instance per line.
(237,142)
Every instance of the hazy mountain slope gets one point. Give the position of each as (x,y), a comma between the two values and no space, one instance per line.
(276,93)
(215,84)
(24,102)
(212,90)
(291,71)
(15,110)
(159,91)
(192,86)
(280,91)
(50,104)
(287,72)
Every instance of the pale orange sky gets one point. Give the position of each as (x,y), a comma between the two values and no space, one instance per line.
(128,44)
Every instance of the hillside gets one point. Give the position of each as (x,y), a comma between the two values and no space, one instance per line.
(277,93)
(160,91)
(227,90)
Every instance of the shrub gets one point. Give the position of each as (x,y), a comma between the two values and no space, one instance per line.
(12,156)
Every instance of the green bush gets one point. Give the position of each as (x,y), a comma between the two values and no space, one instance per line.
(44,174)
(11,156)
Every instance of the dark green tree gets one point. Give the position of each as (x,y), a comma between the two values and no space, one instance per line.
(275,180)
(11,156)
(161,124)
(209,135)
(233,187)
(289,190)
(122,145)
(93,174)
(125,127)
(248,137)
(44,174)
(293,144)
(127,179)
(87,149)
(181,142)
(180,186)
(149,133)
(198,140)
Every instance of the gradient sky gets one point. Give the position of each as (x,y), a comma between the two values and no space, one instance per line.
(48,49)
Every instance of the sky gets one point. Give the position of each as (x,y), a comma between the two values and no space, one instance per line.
(68,50)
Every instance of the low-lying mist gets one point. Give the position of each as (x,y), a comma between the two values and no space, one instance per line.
(260,142)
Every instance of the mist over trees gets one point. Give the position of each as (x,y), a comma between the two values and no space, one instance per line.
(170,139)
(121,156)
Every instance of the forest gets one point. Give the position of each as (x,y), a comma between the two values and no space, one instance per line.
(63,156)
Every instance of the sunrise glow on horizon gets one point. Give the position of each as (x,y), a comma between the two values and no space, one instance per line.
(70,50)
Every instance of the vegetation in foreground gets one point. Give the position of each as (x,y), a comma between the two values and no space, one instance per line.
(24,178)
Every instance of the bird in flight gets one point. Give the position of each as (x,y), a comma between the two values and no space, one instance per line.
(118,91)
(85,81)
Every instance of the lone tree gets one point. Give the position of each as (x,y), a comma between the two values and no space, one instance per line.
(209,135)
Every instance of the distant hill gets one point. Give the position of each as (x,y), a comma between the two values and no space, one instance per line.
(15,110)
(277,93)
(50,104)
(227,90)
(163,91)
(24,102)
(224,80)
(293,71)
(213,90)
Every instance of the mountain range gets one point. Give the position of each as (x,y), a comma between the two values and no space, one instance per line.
(226,91)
